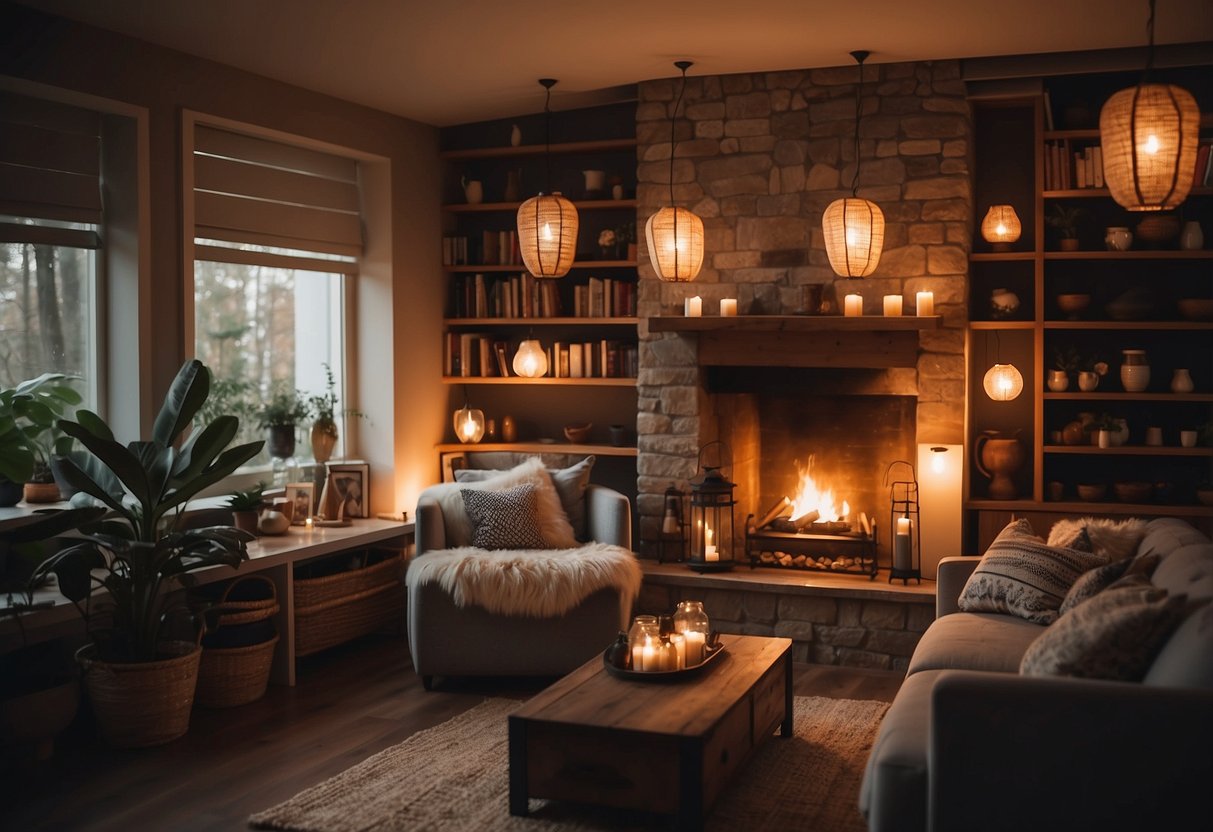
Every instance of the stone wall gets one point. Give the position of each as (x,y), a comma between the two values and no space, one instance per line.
(759,157)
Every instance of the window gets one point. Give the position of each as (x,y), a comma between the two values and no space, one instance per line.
(50,216)
(277,234)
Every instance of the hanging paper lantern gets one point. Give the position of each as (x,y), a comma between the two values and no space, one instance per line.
(854,236)
(675,241)
(547,234)
(1149,136)
(1001,226)
(1003,382)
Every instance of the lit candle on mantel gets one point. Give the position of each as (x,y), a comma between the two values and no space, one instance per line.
(709,550)
(728,307)
(892,306)
(925,304)
(901,545)
(852,306)
(694,307)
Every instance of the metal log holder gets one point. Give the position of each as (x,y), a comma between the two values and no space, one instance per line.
(844,552)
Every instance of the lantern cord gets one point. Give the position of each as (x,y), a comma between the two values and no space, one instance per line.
(1150,39)
(547,83)
(860,55)
(684,66)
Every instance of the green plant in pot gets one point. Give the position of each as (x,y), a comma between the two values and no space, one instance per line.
(34,407)
(141,681)
(324,426)
(285,409)
(1066,219)
(39,688)
(245,506)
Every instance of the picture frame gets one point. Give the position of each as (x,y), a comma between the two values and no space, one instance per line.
(352,483)
(301,496)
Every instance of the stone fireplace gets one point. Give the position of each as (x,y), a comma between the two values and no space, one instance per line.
(759,157)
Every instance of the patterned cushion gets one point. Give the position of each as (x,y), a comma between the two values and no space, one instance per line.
(570,484)
(1020,575)
(503,519)
(553,523)
(1115,635)
(1092,582)
(1114,539)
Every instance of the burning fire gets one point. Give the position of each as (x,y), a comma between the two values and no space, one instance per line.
(809,497)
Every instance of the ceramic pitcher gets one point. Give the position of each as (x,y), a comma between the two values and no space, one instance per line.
(999,455)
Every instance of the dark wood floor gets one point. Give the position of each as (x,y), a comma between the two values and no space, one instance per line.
(350,703)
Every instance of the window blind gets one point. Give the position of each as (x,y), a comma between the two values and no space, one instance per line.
(50,160)
(267,193)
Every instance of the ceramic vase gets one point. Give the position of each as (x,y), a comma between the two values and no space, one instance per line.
(998,457)
(1058,381)
(1181,381)
(1191,238)
(1087,381)
(1134,372)
(324,439)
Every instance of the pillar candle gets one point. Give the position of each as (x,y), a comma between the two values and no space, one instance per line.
(853,306)
(892,305)
(694,647)
(648,656)
(925,303)
(694,307)
(680,646)
(902,558)
(728,307)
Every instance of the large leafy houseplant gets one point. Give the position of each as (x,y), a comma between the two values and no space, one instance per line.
(140,551)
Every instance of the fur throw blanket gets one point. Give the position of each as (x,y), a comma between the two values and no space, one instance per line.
(540,583)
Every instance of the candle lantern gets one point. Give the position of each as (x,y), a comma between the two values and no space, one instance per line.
(904,522)
(672,541)
(469,423)
(712,502)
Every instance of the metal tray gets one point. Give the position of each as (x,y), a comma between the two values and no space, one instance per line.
(663,675)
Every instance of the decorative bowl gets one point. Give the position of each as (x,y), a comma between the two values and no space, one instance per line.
(1090,491)
(1133,492)
(1159,228)
(578,433)
(1073,304)
(1132,305)
(1196,309)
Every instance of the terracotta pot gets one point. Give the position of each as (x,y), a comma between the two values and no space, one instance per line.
(999,457)
(42,492)
(139,704)
(324,439)
(245,520)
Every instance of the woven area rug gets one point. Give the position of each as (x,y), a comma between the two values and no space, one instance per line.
(455,777)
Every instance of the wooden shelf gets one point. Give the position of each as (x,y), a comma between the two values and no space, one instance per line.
(1128,450)
(577,264)
(1095,396)
(582,205)
(539,447)
(1092,506)
(793,323)
(1104,193)
(565,321)
(595,146)
(1001,256)
(1136,326)
(555,382)
(1142,254)
(1002,324)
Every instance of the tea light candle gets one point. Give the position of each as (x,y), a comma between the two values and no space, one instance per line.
(728,307)
(853,306)
(308,525)
(694,647)
(925,304)
(694,307)
(892,305)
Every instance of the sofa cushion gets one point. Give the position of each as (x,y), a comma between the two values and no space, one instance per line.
(553,523)
(1094,581)
(893,795)
(503,519)
(1115,635)
(1114,539)
(1187,658)
(1166,534)
(974,641)
(570,484)
(1020,575)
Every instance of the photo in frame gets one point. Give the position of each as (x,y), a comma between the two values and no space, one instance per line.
(301,496)
(351,487)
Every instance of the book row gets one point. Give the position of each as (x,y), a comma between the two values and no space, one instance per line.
(524,296)
(1069,168)
(477,355)
(492,248)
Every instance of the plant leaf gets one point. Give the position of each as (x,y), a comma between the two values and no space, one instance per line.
(122,462)
(94,424)
(186,395)
(203,446)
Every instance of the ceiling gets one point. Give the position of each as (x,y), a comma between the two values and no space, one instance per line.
(456,61)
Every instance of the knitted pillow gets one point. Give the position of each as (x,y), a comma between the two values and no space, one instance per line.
(1115,635)
(570,484)
(1019,575)
(503,519)
(1121,572)
(553,522)
(1114,539)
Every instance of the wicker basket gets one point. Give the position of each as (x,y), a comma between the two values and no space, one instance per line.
(336,608)
(231,676)
(138,704)
(246,594)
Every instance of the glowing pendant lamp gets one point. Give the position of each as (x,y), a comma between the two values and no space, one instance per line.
(675,235)
(1149,136)
(1001,227)
(1002,382)
(469,423)
(547,223)
(854,227)
(530,361)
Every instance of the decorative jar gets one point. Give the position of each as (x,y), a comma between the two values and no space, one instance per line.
(1181,381)
(692,622)
(1135,371)
(1058,381)
(643,638)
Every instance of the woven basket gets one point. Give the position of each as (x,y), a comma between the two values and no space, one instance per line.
(139,704)
(247,594)
(231,676)
(336,608)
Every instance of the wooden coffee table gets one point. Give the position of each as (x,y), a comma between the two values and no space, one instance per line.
(660,747)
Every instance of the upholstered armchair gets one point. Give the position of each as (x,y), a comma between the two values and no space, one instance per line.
(528,611)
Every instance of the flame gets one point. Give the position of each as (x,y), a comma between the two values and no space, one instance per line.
(809,496)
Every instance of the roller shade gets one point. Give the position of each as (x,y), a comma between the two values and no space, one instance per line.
(263,192)
(50,160)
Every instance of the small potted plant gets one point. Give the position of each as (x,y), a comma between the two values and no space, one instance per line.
(34,406)
(1108,431)
(324,426)
(1065,218)
(245,506)
(285,409)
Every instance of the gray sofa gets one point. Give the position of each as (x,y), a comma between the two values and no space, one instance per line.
(969,744)
(447,640)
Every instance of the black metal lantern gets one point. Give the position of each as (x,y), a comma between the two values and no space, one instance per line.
(672,540)
(906,537)
(713,544)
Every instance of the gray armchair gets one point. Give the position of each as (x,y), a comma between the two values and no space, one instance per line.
(448,640)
